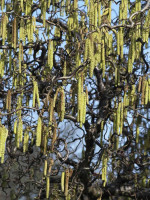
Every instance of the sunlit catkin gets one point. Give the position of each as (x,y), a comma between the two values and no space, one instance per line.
(20,55)
(14,33)
(22,30)
(145,31)
(8,101)
(91,56)
(4,27)
(47,186)
(19,132)
(26,141)
(118,43)
(62,107)
(146,93)
(15,127)
(3,137)
(62,181)
(50,54)
(34,93)
(103,57)
(45,168)
(118,118)
(143,89)
(38,132)
(104,169)
(86,49)
(121,117)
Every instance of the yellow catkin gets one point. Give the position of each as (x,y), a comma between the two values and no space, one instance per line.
(3,138)
(19,132)
(99,13)
(8,101)
(62,181)
(121,31)
(45,168)
(145,31)
(132,95)
(80,99)
(121,117)
(103,57)
(118,43)
(22,30)
(50,54)
(37,95)
(14,33)
(34,23)
(84,107)
(62,107)
(116,76)
(95,15)
(15,127)
(2,4)
(86,49)
(66,181)
(130,61)
(143,89)
(39,132)
(62,8)
(43,9)
(149,90)
(51,109)
(57,32)
(34,94)
(20,55)
(146,93)
(47,186)
(31,32)
(4,27)
(91,55)
(118,119)
(28,29)
(26,141)
(104,169)
(22,5)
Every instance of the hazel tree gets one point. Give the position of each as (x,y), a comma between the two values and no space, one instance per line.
(74,99)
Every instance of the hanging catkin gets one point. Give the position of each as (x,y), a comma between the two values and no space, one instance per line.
(62,181)
(62,107)
(8,101)
(50,54)
(14,33)
(39,132)
(3,137)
